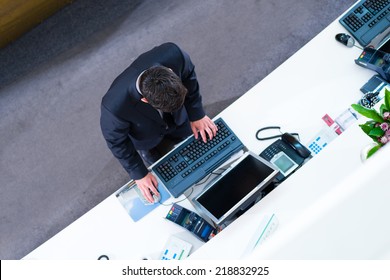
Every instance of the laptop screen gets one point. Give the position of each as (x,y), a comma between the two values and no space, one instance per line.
(233,189)
(385,47)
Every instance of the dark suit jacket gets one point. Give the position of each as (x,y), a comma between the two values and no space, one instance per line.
(128,124)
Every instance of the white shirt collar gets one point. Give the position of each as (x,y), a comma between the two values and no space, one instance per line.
(137,85)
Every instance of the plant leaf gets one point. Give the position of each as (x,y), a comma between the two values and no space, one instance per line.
(369,113)
(367,127)
(383,109)
(373,150)
(387,99)
(376,132)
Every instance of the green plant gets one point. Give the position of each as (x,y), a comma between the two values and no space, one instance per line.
(378,127)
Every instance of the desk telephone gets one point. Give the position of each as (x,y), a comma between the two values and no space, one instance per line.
(287,154)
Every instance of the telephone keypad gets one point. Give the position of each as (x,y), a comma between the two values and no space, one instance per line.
(274,149)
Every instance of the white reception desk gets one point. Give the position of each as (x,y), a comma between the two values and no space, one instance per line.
(319,79)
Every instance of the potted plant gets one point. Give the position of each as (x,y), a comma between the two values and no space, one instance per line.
(378,125)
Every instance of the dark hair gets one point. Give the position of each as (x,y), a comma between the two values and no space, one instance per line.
(162,88)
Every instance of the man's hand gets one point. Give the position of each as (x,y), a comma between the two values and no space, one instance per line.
(203,126)
(148,184)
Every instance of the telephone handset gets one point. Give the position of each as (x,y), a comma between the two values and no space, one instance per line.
(297,146)
(287,154)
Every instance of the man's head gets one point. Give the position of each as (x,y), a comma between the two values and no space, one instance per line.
(162,88)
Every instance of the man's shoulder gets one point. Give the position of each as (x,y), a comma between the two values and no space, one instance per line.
(169,45)
(168,48)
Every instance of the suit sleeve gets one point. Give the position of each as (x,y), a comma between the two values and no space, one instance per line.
(193,101)
(115,132)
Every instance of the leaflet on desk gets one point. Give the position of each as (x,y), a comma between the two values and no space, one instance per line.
(267,226)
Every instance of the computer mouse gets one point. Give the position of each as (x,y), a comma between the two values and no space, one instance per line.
(156,197)
(345,39)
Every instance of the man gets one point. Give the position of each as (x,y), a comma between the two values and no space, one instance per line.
(155,98)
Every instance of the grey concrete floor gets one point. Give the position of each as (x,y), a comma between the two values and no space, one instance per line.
(54,163)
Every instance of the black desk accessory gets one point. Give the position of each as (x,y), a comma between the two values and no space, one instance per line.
(374,84)
(375,60)
(191,222)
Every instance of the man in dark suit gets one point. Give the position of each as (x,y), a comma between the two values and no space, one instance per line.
(157,97)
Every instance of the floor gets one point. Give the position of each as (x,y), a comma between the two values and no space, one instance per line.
(54,163)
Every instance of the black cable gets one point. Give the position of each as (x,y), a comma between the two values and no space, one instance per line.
(197,184)
(170,204)
(274,136)
(270,137)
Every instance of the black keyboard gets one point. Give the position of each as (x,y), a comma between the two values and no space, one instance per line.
(367,19)
(193,159)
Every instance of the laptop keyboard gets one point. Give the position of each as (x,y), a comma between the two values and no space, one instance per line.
(193,159)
